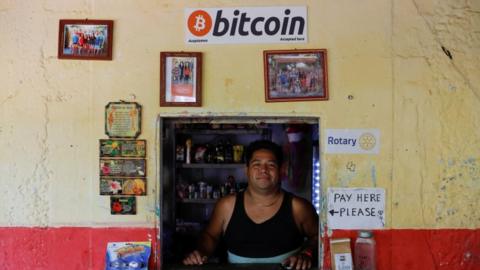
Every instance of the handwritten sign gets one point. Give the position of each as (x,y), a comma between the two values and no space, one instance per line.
(356,208)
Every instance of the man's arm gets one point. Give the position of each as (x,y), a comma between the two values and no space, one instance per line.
(306,219)
(211,234)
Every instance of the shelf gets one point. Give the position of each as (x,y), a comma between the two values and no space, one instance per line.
(211,165)
(238,131)
(200,201)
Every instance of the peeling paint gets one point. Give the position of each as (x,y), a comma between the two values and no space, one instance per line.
(345,177)
(454,17)
(458,176)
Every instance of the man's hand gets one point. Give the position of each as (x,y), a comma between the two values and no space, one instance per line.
(299,261)
(195,258)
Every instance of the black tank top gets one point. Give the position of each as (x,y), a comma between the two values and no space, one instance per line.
(273,237)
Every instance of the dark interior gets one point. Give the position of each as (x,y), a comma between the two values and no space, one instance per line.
(201,162)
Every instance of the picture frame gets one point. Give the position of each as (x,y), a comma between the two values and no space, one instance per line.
(295,75)
(123,205)
(85,39)
(180,79)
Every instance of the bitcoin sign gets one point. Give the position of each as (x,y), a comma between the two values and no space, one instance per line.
(199,23)
(246,25)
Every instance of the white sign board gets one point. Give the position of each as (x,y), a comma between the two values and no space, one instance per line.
(285,24)
(352,141)
(356,208)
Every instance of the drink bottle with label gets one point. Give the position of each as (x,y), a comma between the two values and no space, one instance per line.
(364,252)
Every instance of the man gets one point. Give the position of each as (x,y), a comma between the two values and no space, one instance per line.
(263,224)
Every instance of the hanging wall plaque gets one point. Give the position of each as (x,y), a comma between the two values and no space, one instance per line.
(123,186)
(123,167)
(123,148)
(123,205)
(122,119)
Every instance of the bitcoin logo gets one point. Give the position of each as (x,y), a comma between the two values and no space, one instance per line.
(367,141)
(199,23)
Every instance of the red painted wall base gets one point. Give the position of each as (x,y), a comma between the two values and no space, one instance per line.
(75,248)
(442,249)
(72,248)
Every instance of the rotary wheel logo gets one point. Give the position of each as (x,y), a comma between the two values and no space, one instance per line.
(367,141)
(199,23)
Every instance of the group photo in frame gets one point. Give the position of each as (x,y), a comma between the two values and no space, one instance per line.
(181,79)
(295,75)
(85,39)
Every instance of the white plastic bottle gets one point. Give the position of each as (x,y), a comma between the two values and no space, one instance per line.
(364,252)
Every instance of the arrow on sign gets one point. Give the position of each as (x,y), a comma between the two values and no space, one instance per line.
(333,212)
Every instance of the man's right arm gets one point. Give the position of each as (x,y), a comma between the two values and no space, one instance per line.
(210,237)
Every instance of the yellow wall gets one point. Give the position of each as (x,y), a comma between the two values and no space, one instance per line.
(386,54)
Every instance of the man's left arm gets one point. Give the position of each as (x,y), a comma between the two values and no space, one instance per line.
(306,219)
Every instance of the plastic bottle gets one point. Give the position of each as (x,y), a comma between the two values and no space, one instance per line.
(188,153)
(364,252)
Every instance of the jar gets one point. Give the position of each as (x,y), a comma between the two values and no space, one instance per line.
(238,153)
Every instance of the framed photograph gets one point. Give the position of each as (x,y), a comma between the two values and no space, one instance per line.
(295,75)
(85,39)
(181,79)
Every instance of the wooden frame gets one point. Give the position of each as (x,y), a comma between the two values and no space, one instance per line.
(181,79)
(295,75)
(85,39)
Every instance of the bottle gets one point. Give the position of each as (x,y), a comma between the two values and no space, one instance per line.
(228,152)
(220,152)
(209,153)
(188,152)
(364,252)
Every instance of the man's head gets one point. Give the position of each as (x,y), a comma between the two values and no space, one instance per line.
(264,159)
(266,145)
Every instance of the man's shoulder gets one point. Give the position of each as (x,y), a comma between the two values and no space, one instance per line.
(298,200)
(226,202)
(300,204)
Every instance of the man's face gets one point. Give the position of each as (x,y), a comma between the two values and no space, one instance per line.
(263,170)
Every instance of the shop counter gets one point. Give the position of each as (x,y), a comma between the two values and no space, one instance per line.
(212,266)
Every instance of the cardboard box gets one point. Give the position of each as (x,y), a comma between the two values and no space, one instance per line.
(341,254)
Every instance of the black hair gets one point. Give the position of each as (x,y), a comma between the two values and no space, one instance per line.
(265,145)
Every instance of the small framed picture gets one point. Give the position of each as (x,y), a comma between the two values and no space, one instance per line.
(85,39)
(295,75)
(123,205)
(181,79)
